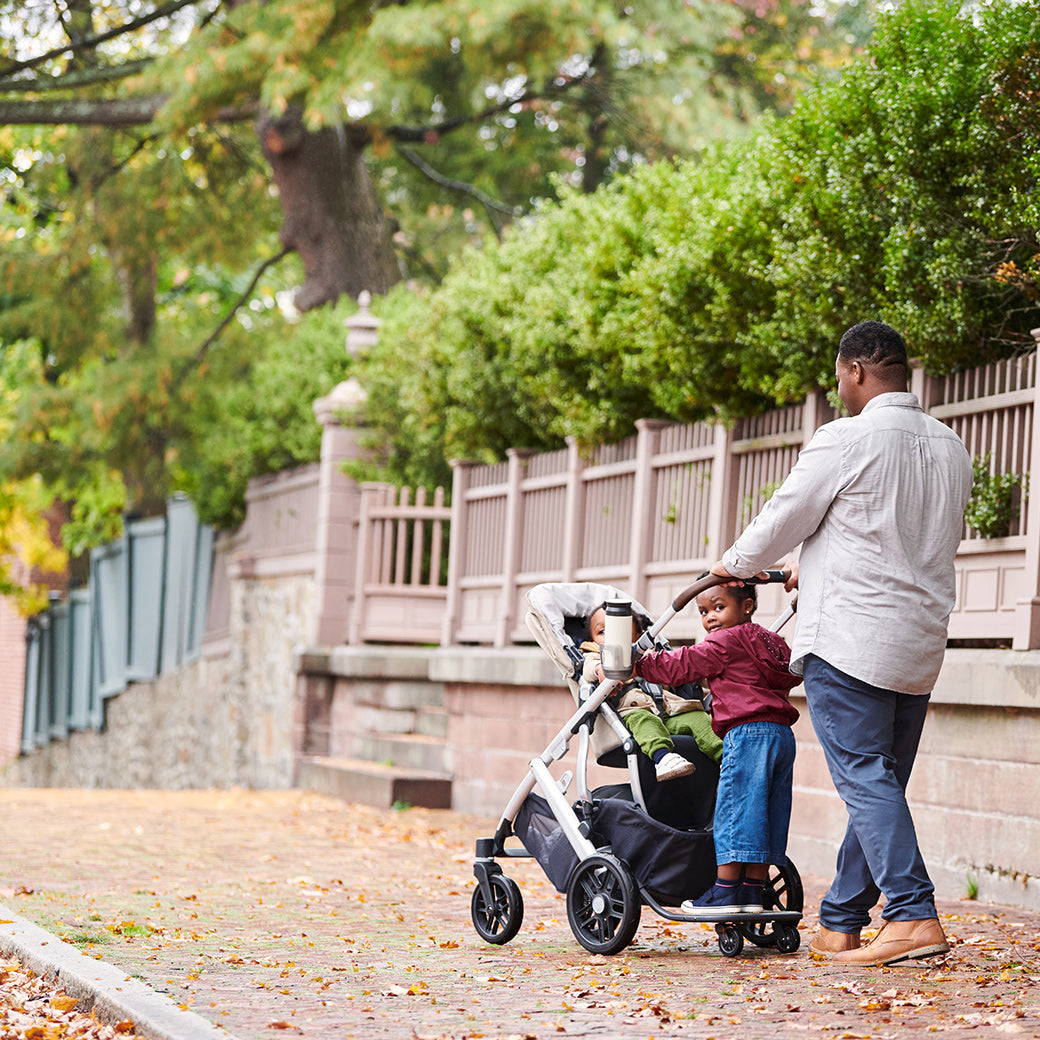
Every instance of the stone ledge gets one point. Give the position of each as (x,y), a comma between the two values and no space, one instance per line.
(985,678)
(367,662)
(371,783)
(990,678)
(512,666)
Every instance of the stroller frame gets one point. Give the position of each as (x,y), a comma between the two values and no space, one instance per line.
(604,899)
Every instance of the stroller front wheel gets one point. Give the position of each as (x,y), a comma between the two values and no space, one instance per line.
(498,920)
(603,904)
(788,940)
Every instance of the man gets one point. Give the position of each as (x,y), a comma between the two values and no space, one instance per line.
(877,502)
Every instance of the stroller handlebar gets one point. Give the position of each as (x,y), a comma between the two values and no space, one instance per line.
(709,581)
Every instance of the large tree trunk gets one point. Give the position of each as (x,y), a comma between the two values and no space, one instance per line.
(333,219)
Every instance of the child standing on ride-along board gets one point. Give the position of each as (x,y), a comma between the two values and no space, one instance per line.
(746,669)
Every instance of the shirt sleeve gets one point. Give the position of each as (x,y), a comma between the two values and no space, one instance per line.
(682,665)
(794,512)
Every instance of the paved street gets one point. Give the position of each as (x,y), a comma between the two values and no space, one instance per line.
(280,914)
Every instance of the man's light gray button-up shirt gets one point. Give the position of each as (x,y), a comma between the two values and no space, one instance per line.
(877,503)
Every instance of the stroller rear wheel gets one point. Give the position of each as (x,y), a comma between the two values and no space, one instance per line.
(782,891)
(498,920)
(603,904)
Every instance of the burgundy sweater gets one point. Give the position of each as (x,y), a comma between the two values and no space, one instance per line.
(745,667)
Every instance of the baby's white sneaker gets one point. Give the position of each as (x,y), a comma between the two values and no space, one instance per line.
(673,765)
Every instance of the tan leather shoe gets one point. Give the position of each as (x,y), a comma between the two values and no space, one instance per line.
(899,941)
(826,942)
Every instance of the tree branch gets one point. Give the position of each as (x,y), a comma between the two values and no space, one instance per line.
(100,112)
(421,134)
(216,333)
(74,80)
(92,41)
(490,205)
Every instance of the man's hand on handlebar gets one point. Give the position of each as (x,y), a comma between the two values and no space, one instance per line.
(791,566)
(790,569)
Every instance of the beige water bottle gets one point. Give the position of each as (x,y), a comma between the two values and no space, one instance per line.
(616,652)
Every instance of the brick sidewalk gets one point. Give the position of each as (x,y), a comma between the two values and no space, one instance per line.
(280,914)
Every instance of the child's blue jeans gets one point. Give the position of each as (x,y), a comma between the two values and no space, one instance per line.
(753,806)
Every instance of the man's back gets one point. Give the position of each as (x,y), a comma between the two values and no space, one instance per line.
(878,580)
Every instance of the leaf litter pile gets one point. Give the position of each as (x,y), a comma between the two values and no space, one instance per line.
(288,914)
(32,1009)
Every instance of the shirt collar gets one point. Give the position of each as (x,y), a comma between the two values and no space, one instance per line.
(893,400)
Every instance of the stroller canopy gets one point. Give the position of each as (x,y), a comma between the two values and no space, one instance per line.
(554,604)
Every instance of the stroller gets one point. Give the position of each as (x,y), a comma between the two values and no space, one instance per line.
(623,846)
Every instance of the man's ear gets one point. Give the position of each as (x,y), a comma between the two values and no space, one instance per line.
(859,372)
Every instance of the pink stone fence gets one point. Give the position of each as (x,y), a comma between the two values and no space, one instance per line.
(651,513)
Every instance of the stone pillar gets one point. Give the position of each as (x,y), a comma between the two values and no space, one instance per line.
(341,415)
(648,438)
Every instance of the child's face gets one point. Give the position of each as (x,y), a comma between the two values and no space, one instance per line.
(722,607)
(598,626)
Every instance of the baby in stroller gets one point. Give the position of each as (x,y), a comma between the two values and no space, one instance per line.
(653,714)
(622,846)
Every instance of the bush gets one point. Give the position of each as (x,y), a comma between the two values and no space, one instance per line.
(994,501)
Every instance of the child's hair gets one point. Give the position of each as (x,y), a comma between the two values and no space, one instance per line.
(639,619)
(738,592)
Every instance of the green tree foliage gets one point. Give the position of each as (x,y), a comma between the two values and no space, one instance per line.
(256,410)
(899,194)
(140,226)
(27,551)
(907,192)
(468,109)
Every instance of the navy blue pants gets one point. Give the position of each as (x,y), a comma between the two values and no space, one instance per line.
(870,737)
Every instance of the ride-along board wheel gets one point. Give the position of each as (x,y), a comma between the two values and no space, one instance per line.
(603,904)
(499,920)
(788,939)
(731,942)
(782,891)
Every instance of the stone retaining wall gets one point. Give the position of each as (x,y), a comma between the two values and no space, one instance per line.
(973,793)
(223,721)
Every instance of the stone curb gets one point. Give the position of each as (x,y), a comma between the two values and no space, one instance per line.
(110,993)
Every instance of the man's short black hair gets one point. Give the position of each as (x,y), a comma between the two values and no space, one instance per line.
(874,343)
